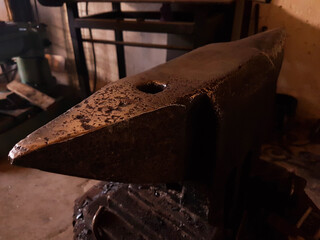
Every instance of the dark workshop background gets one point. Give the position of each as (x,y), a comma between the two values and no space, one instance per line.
(300,72)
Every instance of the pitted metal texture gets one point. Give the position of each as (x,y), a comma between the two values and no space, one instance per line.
(170,123)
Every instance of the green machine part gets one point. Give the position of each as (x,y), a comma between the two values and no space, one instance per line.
(35,72)
(27,41)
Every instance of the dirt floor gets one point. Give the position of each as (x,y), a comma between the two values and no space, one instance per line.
(37,205)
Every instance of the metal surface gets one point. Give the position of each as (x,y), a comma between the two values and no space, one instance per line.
(144,26)
(146,212)
(116,7)
(169,123)
(178,15)
(135,44)
(82,70)
(277,207)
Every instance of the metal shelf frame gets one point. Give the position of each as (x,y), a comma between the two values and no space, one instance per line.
(183,23)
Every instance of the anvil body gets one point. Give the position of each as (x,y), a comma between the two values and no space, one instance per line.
(198,116)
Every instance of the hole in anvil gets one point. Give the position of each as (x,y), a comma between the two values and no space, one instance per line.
(152,87)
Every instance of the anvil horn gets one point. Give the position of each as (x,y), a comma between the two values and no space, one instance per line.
(206,107)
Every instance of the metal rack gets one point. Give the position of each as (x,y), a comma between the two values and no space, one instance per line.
(119,21)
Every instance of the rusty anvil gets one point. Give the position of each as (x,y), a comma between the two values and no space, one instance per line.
(199,117)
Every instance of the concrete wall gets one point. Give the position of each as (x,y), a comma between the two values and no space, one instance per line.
(3,11)
(300,75)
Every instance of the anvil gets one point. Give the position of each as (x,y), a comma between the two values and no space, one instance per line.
(201,116)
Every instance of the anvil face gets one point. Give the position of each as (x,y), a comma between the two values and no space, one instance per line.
(184,116)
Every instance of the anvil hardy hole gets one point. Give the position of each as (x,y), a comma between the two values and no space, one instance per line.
(152,87)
